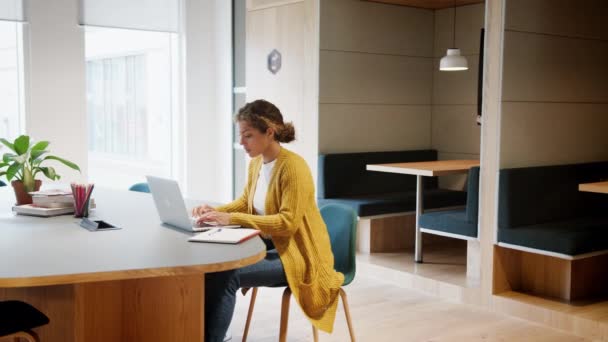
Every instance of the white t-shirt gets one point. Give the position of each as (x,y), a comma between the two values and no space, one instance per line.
(261,188)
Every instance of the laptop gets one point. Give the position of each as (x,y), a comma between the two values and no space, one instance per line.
(172,208)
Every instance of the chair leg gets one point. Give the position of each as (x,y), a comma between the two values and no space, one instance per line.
(315,334)
(347,312)
(254,294)
(29,336)
(284,315)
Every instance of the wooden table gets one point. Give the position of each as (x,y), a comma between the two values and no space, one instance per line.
(599,187)
(140,283)
(424,169)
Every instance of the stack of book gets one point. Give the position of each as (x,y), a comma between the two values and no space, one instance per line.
(47,203)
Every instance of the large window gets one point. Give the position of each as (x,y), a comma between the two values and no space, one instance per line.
(131,104)
(11,80)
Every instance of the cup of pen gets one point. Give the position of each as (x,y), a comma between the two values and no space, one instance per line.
(82,196)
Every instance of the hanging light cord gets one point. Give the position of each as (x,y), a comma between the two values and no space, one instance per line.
(454,28)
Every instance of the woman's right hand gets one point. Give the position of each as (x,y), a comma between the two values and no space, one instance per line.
(199,211)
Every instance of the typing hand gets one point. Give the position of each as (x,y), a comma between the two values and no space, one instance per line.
(199,211)
(220,218)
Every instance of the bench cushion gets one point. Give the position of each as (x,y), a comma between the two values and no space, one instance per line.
(570,237)
(535,195)
(371,205)
(449,221)
(343,175)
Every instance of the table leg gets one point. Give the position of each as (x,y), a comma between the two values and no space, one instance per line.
(419,210)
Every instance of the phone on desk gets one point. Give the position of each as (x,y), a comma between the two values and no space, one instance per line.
(96,225)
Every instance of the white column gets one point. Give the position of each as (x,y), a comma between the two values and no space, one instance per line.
(208,99)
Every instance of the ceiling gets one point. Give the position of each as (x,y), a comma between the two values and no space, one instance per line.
(429,4)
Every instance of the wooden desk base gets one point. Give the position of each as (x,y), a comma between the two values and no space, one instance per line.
(149,309)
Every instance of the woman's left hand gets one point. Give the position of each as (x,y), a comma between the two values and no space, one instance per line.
(218,217)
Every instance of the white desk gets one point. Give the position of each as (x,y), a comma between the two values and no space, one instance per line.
(142,282)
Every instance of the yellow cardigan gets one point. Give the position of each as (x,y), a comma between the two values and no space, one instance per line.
(298,232)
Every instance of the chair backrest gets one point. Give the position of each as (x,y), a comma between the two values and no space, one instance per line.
(140,187)
(534,195)
(341,224)
(345,174)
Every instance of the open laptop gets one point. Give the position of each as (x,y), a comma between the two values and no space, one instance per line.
(171,206)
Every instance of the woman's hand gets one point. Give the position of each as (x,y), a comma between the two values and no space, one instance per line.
(199,211)
(220,218)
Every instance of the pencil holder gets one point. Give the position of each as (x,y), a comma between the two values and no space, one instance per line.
(82,196)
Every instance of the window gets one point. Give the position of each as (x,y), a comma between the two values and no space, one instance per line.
(131,104)
(11,80)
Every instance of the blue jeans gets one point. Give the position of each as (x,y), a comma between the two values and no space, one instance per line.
(221,288)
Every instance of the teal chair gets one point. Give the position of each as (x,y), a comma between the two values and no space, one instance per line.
(140,187)
(341,222)
(2,183)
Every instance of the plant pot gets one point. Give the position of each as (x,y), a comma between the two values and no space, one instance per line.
(22,196)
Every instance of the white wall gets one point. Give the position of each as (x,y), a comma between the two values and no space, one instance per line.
(55,82)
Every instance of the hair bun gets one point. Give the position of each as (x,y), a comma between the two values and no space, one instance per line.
(287,133)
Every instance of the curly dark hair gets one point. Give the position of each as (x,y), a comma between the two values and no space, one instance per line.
(262,115)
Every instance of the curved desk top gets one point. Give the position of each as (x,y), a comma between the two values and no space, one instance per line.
(50,251)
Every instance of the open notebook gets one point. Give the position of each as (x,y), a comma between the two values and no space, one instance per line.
(225,235)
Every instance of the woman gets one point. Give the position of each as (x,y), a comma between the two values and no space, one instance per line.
(279,200)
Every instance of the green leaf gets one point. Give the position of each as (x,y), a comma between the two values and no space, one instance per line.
(41,145)
(64,162)
(37,153)
(22,144)
(38,149)
(2,173)
(12,171)
(49,172)
(8,157)
(8,144)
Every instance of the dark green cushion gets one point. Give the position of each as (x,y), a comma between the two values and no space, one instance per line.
(536,195)
(18,316)
(473,195)
(398,202)
(571,237)
(449,221)
(346,175)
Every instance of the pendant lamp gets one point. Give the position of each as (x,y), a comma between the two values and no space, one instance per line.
(453,61)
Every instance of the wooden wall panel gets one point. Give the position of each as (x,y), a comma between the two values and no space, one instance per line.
(368,128)
(469,21)
(553,133)
(374,79)
(542,68)
(585,19)
(361,26)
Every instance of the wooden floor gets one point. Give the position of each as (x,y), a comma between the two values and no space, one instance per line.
(443,262)
(383,311)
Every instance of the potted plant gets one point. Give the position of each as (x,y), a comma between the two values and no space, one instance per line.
(24,163)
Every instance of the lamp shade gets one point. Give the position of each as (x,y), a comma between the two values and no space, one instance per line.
(453,61)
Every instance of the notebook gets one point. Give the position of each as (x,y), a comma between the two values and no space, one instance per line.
(225,235)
